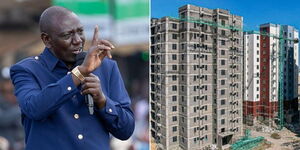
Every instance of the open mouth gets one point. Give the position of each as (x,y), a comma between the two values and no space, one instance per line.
(77,51)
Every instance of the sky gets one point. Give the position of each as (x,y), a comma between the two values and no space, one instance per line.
(254,12)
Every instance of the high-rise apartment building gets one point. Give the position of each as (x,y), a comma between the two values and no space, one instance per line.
(196,79)
(290,73)
(263,106)
(251,74)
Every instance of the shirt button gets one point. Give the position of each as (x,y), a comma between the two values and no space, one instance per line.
(80,136)
(110,110)
(76,116)
(68,72)
(36,57)
(69,88)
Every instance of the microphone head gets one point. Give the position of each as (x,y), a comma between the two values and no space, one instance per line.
(79,58)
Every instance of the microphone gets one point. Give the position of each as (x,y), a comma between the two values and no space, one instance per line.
(88,98)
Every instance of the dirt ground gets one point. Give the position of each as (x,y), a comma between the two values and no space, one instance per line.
(288,141)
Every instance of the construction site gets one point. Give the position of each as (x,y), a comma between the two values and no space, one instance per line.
(214,85)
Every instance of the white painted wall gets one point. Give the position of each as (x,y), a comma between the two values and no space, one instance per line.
(252,67)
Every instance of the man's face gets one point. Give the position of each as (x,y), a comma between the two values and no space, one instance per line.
(67,38)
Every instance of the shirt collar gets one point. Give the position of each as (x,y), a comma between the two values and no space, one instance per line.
(49,58)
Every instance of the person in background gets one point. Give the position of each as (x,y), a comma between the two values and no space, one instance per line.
(4,144)
(10,117)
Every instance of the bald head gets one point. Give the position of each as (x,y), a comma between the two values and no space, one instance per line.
(50,16)
(62,33)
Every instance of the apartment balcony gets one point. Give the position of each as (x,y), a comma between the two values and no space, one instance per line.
(193,29)
(155,108)
(233,75)
(234,112)
(158,99)
(233,93)
(202,66)
(233,48)
(233,39)
(202,76)
(202,97)
(273,97)
(233,84)
(273,87)
(156,79)
(233,57)
(233,103)
(234,120)
(202,87)
(233,66)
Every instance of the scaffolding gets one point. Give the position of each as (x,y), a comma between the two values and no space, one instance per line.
(247,142)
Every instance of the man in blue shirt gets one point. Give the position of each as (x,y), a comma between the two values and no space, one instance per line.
(50,89)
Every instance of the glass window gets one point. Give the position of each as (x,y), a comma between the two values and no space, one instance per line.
(223,72)
(174,77)
(174,57)
(222,52)
(222,121)
(222,42)
(174,129)
(174,98)
(223,92)
(174,36)
(174,46)
(174,67)
(222,101)
(174,138)
(174,108)
(174,88)
(174,118)
(222,82)
(222,62)
(223,112)
(174,26)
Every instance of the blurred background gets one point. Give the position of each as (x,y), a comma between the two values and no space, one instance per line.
(124,22)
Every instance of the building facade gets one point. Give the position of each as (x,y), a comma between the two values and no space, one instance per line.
(196,79)
(299,95)
(251,74)
(290,73)
(273,71)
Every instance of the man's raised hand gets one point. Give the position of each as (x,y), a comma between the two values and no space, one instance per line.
(96,53)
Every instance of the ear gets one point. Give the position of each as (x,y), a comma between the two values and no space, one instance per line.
(46,39)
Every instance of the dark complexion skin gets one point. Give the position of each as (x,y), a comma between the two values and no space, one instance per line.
(67,38)
(63,35)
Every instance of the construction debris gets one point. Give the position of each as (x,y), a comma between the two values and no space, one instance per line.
(285,139)
(295,145)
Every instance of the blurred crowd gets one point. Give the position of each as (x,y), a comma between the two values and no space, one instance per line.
(11,131)
(135,72)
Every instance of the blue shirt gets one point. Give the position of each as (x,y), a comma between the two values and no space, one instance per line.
(54,113)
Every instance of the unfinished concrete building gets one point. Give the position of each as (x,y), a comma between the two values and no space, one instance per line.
(196,79)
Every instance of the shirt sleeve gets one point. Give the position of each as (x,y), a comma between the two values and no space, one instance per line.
(38,103)
(117,115)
